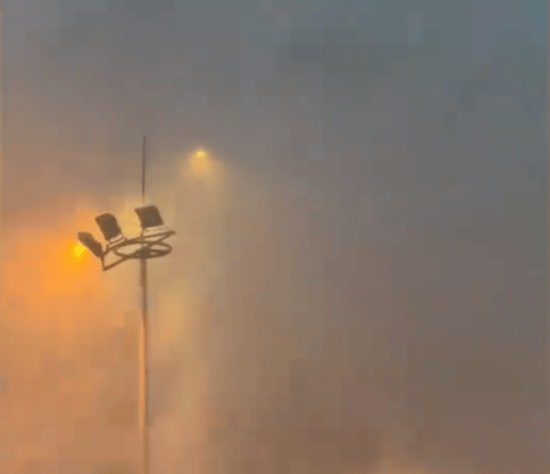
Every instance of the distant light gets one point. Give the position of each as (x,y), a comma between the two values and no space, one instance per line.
(108,225)
(200,165)
(149,216)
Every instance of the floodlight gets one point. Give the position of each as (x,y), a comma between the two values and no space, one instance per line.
(108,225)
(149,216)
(90,243)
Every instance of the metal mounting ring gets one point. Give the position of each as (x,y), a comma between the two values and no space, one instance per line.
(148,251)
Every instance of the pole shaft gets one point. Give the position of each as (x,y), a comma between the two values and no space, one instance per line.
(143,173)
(145,362)
(145,371)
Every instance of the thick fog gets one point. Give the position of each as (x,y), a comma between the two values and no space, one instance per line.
(358,276)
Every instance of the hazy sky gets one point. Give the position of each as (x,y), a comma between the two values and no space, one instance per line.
(375,208)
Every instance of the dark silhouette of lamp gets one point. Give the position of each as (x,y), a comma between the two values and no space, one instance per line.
(149,216)
(91,243)
(109,226)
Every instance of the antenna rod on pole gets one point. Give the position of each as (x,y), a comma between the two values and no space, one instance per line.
(143,173)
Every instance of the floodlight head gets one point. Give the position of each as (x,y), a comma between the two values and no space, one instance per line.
(108,225)
(90,243)
(149,216)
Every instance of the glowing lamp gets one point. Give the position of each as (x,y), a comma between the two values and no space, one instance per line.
(90,243)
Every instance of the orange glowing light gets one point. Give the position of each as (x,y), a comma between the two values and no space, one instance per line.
(201,154)
(79,249)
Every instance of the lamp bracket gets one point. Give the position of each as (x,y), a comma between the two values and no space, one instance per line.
(149,245)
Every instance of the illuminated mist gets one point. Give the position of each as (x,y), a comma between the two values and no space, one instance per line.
(358,277)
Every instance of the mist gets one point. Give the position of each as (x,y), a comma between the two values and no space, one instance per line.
(358,276)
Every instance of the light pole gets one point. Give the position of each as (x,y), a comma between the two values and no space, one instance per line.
(150,243)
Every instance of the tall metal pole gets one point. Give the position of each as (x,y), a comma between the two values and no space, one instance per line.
(145,375)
